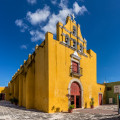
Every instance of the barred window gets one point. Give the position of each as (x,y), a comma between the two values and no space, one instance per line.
(81,48)
(74,31)
(75,44)
(67,39)
(74,67)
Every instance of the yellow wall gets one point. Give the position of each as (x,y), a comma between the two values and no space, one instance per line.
(1,89)
(59,72)
(6,91)
(41,77)
(43,80)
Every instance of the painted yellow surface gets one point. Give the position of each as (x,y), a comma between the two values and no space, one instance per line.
(1,89)
(43,80)
(6,91)
(59,78)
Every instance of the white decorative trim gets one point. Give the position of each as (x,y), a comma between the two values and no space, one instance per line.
(81,87)
(73,48)
(75,55)
(71,33)
(72,59)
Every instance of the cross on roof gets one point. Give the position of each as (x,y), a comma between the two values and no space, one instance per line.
(73,16)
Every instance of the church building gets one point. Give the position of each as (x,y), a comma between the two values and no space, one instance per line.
(59,73)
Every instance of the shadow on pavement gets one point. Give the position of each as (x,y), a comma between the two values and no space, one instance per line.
(8,104)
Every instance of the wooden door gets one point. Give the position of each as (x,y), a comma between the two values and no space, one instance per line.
(100,99)
(76,95)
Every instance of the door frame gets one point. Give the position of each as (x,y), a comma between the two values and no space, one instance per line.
(98,98)
(81,87)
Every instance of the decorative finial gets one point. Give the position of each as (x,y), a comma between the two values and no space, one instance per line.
(73,16)
(29,54)
(24,61)
(36,47)
(20,66)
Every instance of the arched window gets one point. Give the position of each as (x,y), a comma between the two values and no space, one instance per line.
(75,44)
(74,31)
(81,48)
(67,39)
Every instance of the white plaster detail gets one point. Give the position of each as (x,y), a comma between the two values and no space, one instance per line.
(75,55)
(24,61)
(73,16)
(29,55)
(36,47)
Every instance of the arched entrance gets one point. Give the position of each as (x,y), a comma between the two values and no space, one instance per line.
(76,96)
(75,92)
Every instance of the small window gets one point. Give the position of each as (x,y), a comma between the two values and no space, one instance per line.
(109,88)
(81,48)
(74,67)
(75,44)
(67,39)
(74,31)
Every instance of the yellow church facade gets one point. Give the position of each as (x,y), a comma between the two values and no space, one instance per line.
(59,73)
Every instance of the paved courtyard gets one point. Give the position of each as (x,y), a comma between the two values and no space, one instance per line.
(11,112)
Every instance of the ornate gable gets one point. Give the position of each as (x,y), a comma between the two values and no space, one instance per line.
(70,36)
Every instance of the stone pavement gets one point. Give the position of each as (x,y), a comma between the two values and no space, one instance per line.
(11,112)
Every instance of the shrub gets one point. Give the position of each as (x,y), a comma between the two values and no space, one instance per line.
(92,101)
(15,100)
(71,107)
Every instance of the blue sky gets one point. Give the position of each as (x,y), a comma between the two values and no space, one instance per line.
(23,24)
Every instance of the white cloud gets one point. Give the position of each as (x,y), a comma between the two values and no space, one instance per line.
(32,1)
(23,47)
(22,25)
(38,16)
(61,16)
(79,10)
(19,23)
(36,35)
(63,3)
(54,2)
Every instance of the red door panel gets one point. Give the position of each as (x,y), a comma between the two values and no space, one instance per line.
(75,91)
(100,99)
(74,67)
